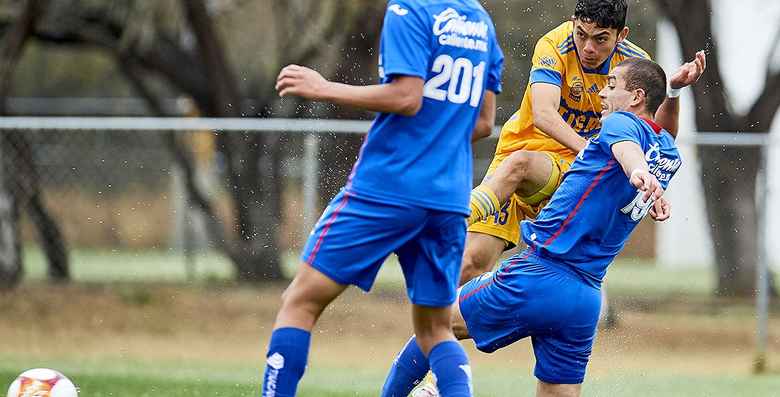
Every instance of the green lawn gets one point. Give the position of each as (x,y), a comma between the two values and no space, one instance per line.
(648,374)
(336,382)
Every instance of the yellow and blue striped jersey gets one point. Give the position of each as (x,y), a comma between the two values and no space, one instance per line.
(555,61)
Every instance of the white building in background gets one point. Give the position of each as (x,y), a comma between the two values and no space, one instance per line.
(745,32)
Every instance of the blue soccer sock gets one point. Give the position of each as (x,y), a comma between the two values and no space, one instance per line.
(285,361)
(408,370)
(451,368)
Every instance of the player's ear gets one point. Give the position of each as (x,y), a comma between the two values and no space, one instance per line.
(640,97)
(623,34)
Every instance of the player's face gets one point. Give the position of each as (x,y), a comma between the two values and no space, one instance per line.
(614,96)
(595,44)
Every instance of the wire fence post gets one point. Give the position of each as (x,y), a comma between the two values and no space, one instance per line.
(762,271)
(189,237)
(311,172)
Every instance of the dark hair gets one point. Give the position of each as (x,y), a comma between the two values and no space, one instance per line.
(605,13)
(650,77)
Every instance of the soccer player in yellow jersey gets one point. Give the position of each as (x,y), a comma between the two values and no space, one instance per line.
(560,110)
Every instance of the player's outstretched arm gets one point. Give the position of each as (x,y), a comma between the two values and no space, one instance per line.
(546,98)
(487,117)
(632,160)
(668,115)
(402,96)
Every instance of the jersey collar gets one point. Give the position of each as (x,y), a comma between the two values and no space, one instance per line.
(657,128)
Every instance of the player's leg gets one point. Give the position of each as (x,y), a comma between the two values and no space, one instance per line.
(459,327)
(523,172)
(347,247)
(407,370)
(481,253)
(563,348)
(431,266)
(302,304)
(528,179)
(448,360)
(306,297)
(411,365)
(544,389)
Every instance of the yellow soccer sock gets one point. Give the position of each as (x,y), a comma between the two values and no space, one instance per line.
(483,203)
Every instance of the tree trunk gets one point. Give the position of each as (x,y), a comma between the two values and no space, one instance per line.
(256,186)
(10,246)
(252,161)
(728,173)
(22,181)
(729,181)
(51,239)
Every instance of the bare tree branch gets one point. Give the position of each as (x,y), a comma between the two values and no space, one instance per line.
(13,44)
(694,34)
(760,116)
(219,75)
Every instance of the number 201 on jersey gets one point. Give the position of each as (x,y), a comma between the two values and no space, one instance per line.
(465,81)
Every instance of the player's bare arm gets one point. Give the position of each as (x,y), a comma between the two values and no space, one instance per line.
(546,99)
(401,96)
(632,159)
(487,117)
(668,114)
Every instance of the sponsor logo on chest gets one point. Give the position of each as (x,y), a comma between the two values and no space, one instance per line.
(455,30)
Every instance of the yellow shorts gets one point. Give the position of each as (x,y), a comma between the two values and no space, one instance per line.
(505,224)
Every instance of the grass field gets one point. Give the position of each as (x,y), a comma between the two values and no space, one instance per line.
(132,326)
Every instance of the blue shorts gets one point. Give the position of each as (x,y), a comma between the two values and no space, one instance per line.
(355,235)
(550,303)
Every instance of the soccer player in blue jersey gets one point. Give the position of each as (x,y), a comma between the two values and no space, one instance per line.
(559,112)
(550,291)
(439,63)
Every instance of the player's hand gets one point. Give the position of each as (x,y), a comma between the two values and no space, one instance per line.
(647,183)
(661,210)
(689,72)
(301,81)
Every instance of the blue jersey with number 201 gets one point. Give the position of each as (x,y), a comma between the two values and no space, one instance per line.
(425,160)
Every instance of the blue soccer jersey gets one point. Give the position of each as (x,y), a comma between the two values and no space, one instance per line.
(589,219)
(425,160)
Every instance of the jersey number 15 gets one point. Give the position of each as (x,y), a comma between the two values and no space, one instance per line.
(465,81)
(638,207)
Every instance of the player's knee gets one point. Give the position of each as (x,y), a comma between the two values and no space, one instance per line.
(427,340)
(545,389)
(474,264)
(518,165)
(295,302)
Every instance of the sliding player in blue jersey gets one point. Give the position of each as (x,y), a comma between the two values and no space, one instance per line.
(408,193)
(550,291)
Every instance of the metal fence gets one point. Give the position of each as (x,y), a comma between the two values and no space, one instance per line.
(113,185)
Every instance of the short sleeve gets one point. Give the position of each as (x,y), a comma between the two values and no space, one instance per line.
(618,127)
(546,64)
(496,67)
(406,48)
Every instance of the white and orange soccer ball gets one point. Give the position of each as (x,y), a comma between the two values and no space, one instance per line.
(42,382)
